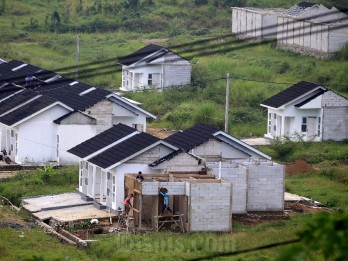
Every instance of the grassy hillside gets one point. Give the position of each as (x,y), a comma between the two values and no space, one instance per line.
(44,33)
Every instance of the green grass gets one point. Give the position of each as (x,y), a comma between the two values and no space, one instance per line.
(28,243)
(319,187)
(34,183)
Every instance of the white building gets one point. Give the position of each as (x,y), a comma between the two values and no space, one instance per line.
(42,118)
(307,111)
(155,67)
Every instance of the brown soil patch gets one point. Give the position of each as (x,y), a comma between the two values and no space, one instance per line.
(9,219)
(158,132)
(299,166)
(259,217)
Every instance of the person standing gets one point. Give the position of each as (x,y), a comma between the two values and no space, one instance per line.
(166,202)
(140,176)
(127,203)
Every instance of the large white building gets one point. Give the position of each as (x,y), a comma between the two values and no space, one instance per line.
(154,67)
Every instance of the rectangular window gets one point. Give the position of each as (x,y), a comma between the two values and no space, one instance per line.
(108,192)
(319,123)
(149,80)
(275,116)
(109,176)
(304,124)
(86,181)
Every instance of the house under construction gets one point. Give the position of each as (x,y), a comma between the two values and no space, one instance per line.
(199,202)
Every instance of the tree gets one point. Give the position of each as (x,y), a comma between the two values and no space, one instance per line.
(326,235)
(55,21)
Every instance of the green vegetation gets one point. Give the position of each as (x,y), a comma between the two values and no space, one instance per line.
(39,182)
(44,33)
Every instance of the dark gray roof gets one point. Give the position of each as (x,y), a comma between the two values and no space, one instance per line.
(140,54)
(299,8)
(61,90)
(290,94)
(8,90)
(192,137)
(26,110)
(19,75)
(123,150)
(17,100)
(101,140)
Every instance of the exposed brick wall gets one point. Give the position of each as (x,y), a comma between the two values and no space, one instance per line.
(210,207)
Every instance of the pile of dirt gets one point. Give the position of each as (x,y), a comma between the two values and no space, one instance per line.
(299,166)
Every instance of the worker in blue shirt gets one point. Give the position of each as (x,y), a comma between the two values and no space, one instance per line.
(166,204)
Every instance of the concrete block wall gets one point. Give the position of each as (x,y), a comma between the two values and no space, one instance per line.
(147,157)
(210,207)
(102,111)
(183,162)
(174,188)
(335,123)
(210,150)
(265,187)
(237,175)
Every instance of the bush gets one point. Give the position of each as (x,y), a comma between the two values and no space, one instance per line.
(283,147)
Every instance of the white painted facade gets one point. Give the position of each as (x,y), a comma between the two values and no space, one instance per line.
(112,184)
(168,70)
(35,139)
(323,118)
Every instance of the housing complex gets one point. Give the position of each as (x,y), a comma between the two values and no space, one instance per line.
(43,114)
(202,168)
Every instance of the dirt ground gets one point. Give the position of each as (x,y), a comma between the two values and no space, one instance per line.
(299,166)
(8,218)
(158,132)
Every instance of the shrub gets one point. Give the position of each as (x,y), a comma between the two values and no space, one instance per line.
(283,147)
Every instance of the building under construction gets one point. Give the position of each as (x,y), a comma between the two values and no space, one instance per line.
(198,202)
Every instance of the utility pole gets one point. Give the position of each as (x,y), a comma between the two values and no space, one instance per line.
(77,56)
(227,102)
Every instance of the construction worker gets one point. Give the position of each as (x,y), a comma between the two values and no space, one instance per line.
(166,203)
(140,176)
(127,203)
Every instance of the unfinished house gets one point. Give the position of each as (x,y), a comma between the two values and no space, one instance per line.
(154,66)
(255,23)
(42,110)
(258,183)
(312,29)
(307,111)
(199,202)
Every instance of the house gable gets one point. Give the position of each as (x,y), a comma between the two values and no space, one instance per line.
(76,118)
(332,99)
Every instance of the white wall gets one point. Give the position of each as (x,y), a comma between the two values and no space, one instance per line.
(37,137)
(70,136)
